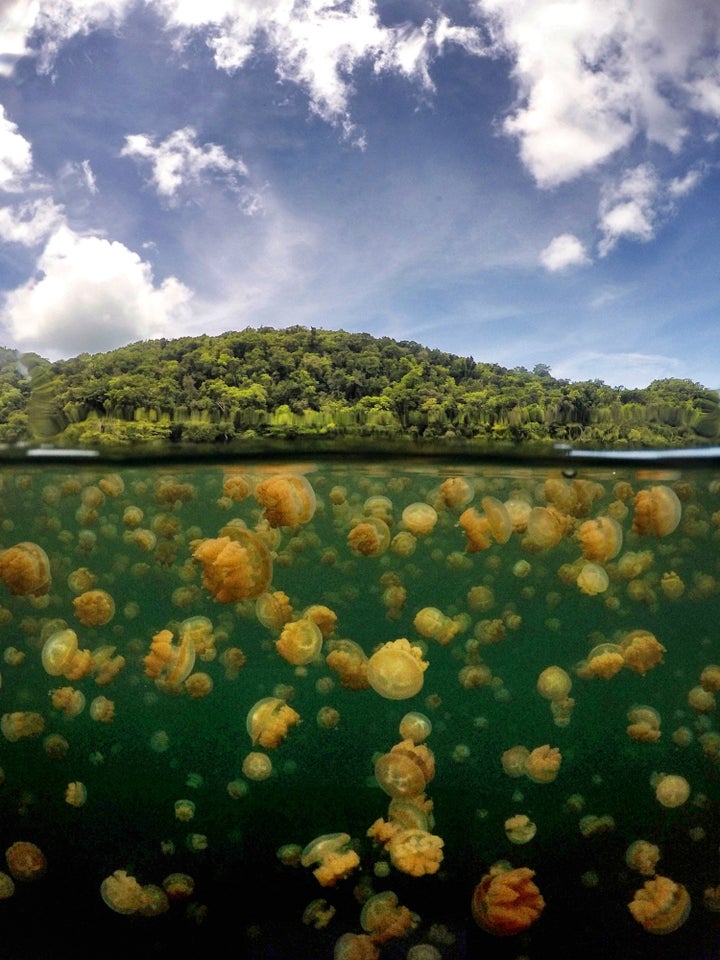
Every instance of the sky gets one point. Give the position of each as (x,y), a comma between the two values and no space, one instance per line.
(521,181)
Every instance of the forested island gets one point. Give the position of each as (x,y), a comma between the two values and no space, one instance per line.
(266,383)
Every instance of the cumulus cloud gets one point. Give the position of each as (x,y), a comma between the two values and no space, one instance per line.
(178,161)
(91,294)
(562,252)
(15,155)
(629,208)
(29,223)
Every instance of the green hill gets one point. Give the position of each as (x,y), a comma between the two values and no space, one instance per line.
(304,382)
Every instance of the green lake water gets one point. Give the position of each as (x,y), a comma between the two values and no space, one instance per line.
(162,744)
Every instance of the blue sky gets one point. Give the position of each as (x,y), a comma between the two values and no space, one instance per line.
(521,181)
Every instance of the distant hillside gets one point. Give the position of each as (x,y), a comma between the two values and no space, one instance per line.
(268,383)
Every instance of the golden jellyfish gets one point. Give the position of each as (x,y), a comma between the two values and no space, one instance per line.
(433,623)
(513,761)
(657,511)
(236,487)
(121,892)
(507,901)
(592,579)
(178,886)
(384,918)
(184,810)
(455,492)
(76,794)
(257,765)
(334,856)
(169,663)
(102,710)
(273,610)
(554,683)
(355,946)
(660,906)
(105,664)
(21,724)
(287,499)
(61,657)
(25,860)
(369,537)
(672,790)
(643,724)
(415,726)
(600,539)
(641,651)
(69,701)
(546,527)
(416,852)
(269,721)
(81,580)
(476,528)
(396,670)
(419,518)
(520,829)
(7,886)
(323,617)
(300,642)
(94,608)
(399,775)
(237,567)
(347,658)
(642,856)
(604,661)
(501,526)
(701,700)
(199,630)
(318,914)
(543,764)
(25,569)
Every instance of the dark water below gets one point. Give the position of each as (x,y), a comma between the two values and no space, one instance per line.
(322,776)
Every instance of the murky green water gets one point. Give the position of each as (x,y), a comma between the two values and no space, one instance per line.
(162,744)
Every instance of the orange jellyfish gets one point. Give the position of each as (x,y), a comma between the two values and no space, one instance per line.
(94,608)
(657,511)
(288,499)
(396,670)
(169,663)
(431,622)
(592,579)
(347,658)
(520,828)
(61,657)
(334,856)
(660,905)
(25,569)
(476,527)
(415,851)
(269,721)
(384,918)
(546,527)
(236,567)
(21,724)
(507,901)
(25,860)
(121,892)
(300,642)
(498,516)
(369,538)
(543,763)
(400,775)
(600,539)
(641,651)
(642,856)
(554,683)
(273,610)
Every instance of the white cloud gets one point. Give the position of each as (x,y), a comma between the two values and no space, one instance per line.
(15,155)
(29,223)
(562,252)
(18,18)
(89,177)
(631,370)
(591,76)
(92,295)
(178,161)
(682,186)
(628,209)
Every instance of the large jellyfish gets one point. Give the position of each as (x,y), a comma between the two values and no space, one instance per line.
(396,670)
(507,901)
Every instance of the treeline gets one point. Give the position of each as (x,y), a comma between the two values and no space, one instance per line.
(268,383)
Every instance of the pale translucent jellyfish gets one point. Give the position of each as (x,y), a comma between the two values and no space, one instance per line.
(102,709)
(300,642)
(121,892)
(520,829)
(257,766)
(546,527)
(506,901)
(396,670)
(399,775)
(25,860)
(643,724)
(269,720)
(273,610)
(415,726)
(672,790)
(514,759)
(660,906)
(288,499)
(58,651)
(501,526)
(419,518)
(384,918)
(455,492)
(592,579)
(334,856)
(76,794)
(178,886)
(433,623)
(643,857)
(184,810)
(554,683)
(657,511)
(25,569)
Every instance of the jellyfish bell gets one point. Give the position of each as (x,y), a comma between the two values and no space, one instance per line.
(506,901)
(592,579)
(660,906)
(415,726)
(94,608)
(399,775)
(25,569)
(300,641)
(58,651)
(498,516)
(236,566)
(369,538)
(288,499)
(334,856)
(672,790)
(554,683)
(269,720)
(419,518)
(25,860)
(600,538)
(520,829)
(657,511)
(396,670)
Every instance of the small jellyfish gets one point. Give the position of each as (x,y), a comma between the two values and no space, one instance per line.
(384,918)
(554,683)
(94,608)
(600,539)
(643,857)
(334,856)
(76,794)
(300,642)
(184,810)
(269,721)
(543,763)
(520,829)
(169,663)
(25,860)
(257,765)
(415,726)
(396,670)
(419,518)
(672,790)
(121,892)
(25,569)
(237,567)
(369,538)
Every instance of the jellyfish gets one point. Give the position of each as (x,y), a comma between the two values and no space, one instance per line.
(318,914)
(61,657)
(415,726)
(69,701)
(657,511)
(273,610)
(369,538)
(507,901)
(184,810)
(476,527)
(121,892)
(519,828)
(501,526)
(102,710)
(355,946)
(701,700)
(546,527)
(300,642)
(592,579)
(543,763)
(600,539)
(288,499)
(384,918)
(604,661)
(672,790)
(21,724)
(169,663)
(25,860)
(433,623)
(94,608)
(76,794)
(25,569)
(7,886)
(416,852)
(514,759)
(399,775)
(105,664)
(455,492)
(347,658)
(396,670)
(334,856)
(554,683)
(641,651)
(323,617)
(643,724)
(660,906)
(257,765)
(236,487)
(178,886)
(419,518)
(237,567)
(643,857)
(269,721)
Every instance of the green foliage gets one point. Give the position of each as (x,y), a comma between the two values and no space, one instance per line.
(265,382)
